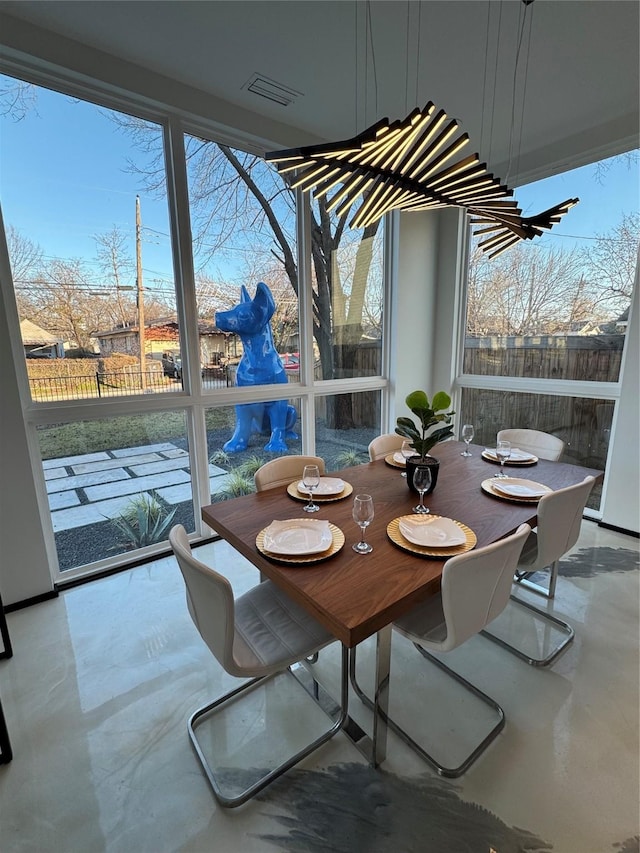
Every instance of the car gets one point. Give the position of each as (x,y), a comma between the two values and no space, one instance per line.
(172,365)
(290,360)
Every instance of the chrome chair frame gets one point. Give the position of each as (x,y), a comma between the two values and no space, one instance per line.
(474,591)
(276,772)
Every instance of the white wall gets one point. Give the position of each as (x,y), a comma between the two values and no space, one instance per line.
(621,498)
(24,563)
(415,346)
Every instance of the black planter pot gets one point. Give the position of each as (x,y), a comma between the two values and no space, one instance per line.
(430,462)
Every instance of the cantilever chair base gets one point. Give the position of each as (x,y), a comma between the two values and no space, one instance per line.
(523,579)
(272,775)
(564,627)
(442,770)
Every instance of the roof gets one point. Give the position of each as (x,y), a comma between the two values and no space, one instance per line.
(35,335)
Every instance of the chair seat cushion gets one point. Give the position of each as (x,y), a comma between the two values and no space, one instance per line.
(272,631)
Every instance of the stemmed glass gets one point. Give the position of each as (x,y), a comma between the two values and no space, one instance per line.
(503,452)
(363,516)
(422,481)
(467,436)
(407,451)
(311,480)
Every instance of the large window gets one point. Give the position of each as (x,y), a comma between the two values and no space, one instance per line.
(556,311)
(89,250)
(97,204)
(115,486)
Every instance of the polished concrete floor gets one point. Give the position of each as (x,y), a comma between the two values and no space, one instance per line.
(104,677)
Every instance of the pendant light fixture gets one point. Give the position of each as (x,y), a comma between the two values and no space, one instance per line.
(411,165)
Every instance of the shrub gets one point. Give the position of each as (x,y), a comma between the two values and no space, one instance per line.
(144,521)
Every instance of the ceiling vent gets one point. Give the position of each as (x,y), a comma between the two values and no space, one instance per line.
(272,91)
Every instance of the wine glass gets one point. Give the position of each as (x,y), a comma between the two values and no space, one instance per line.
(363,516)
(407,451)
(422,481)
(311,480)
(503,452)
(467,436)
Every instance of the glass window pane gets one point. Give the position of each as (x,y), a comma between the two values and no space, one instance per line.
(557,307)
(244,232)
(345,424)
(583,424)
(348,292)
(116,485)
(237,442)
(86,215)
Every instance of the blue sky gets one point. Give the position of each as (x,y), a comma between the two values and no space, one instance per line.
(63,179)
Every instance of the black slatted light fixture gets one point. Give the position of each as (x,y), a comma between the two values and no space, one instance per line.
(407,165)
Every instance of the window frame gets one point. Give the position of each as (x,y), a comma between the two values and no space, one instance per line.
(193,400)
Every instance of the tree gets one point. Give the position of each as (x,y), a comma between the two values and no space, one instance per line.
(529,290)
(611,261)
(237,197)
(115,259)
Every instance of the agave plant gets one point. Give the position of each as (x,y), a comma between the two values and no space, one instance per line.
(144,521)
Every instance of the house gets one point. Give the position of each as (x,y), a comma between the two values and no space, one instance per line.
(163,336)
(38,343)
(264,76)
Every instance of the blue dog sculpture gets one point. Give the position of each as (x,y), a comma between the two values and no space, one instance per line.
(260,365)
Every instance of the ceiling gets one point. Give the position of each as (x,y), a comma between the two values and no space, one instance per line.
(351,63)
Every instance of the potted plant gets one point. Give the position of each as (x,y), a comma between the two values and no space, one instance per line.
(421,435)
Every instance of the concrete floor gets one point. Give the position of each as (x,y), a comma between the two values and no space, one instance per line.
(104,677)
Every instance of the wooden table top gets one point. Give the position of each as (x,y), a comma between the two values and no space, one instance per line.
(353,595)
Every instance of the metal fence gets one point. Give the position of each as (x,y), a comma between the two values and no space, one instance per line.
(122,384)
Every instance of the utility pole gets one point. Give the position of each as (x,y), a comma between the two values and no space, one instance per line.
(140,296)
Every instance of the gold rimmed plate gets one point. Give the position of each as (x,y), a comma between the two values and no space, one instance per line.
(470,539)
(292,491)
(491,458)
(390,460)
(337,542)
(488,487)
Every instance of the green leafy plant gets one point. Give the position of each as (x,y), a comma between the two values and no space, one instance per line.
(418,434)
(349,458)
(236,485)
(250,465)
(144,521)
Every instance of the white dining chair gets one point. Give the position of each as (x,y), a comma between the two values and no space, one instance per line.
(383,445)
(557,531)
(474,591)
(541,444)
(284,470)
(255,636)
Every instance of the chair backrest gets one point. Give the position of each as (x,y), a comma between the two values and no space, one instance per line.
(383,445)
(284,470)
(559,520)
(541,444)
(209,599)
(476,586)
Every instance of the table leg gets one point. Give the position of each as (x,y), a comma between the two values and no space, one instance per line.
(381,701)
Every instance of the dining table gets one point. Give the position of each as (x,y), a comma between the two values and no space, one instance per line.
(355,596)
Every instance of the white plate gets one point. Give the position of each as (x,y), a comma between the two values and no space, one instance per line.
(515,455)
(327,486)
(516,488)
(297,536)
(398,457)
(434,532)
